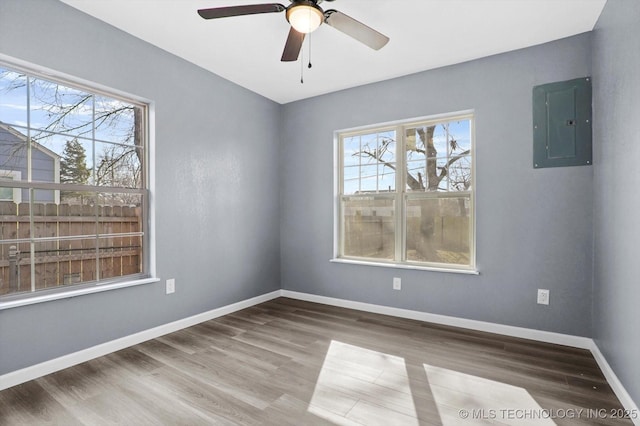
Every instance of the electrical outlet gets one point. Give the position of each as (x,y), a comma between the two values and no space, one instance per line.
(397,284)
(543,296)
(171,286)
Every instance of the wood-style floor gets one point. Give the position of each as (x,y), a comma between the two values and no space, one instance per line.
(287,362)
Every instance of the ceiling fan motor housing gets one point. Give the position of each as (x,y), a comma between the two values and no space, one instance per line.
(305,16)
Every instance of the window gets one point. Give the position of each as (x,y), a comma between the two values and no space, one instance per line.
(7,193)
(405,194)
(73,186)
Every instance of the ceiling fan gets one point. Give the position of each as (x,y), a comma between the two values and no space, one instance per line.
(305,16)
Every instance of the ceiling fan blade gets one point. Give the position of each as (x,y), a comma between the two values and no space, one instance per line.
(293,46)
(250,9)
(355,29)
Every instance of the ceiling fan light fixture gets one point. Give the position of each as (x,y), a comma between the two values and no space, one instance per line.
(305,17)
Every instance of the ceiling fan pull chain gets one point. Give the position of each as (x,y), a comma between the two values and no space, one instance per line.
(309,36)
(301,67)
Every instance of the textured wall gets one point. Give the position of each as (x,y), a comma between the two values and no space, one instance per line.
(534,227)
(216,194)
(616,102)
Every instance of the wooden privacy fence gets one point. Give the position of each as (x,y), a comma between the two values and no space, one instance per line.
(430,238)
(67,261)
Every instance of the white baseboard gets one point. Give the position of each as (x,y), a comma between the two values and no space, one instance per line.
(625,399)
(525,333)
(507,330)
(33,372)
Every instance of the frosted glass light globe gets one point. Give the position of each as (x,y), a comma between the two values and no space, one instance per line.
(305,18)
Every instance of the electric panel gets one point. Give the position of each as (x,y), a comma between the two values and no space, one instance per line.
(562,124)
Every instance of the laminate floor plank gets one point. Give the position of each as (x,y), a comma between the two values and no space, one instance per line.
(291,362)
(256,358)
(30,404)
(208,399)
(291,411)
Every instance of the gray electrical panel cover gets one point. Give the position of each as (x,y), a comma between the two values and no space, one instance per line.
(562,124)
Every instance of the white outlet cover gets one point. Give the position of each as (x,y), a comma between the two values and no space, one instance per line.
(397,284)
(543,296)
(171,286)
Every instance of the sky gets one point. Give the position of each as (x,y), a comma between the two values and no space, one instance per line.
(364,173)
(53,114)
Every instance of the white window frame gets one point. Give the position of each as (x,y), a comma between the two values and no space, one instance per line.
(148,274)
(401,195)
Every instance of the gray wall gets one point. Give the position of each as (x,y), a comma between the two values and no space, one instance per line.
(534,227)
(616,309)
(216,184)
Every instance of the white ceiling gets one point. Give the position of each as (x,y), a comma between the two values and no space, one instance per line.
(425,34)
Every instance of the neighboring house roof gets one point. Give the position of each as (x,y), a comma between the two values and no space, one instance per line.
(5,129)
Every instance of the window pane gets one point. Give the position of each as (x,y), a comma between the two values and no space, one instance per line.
(13,149)
(15,273)
(386,178)
(351,180)
(414,146)
(459,137)
(117,121)
(427,140)
(368,228)
(120,256)
(118,165)
(74,217)
(120,213)
(437,176)
(460,174)
(416,175)
(65,262)
(60,109)
(438,157)
(422,146)
(8,221)
(387,147)
(368,178)
(62,158)
(438,230)
(13,98)
(438,147)
(351,153)
(369,163)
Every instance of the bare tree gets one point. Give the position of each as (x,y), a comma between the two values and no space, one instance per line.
(116,126)
(434,174)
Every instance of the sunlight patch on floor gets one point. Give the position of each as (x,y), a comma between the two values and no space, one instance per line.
(467,399)
(347,387)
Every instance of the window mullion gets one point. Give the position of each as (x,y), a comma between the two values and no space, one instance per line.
(378,161)
(400,188)
(32,244)
(95,182)
(32,248)
(360,165)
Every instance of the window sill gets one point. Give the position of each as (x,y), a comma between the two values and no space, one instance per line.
(34,298)
(406,266)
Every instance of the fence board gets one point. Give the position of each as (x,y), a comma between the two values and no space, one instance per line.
(64,262)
